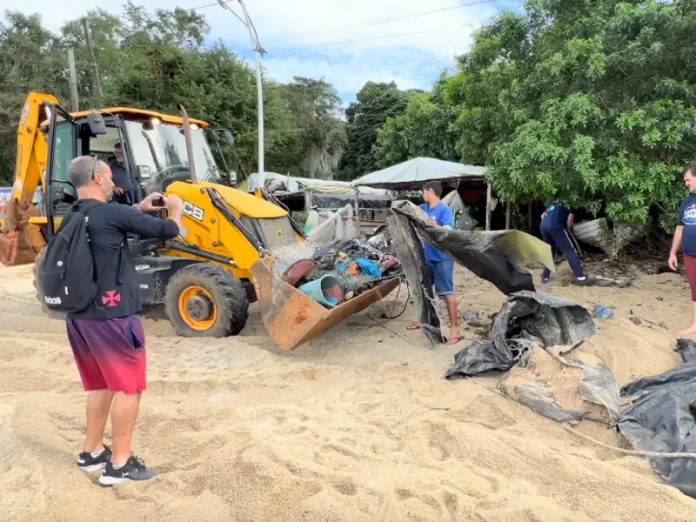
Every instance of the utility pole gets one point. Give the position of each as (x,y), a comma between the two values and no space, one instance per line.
(88,39)
(258,54)
(73,80)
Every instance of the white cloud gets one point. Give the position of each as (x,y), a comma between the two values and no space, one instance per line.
(346,42)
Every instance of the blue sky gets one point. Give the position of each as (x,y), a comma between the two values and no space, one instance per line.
(346,42)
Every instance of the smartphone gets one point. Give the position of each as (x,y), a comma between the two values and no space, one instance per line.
(158,202)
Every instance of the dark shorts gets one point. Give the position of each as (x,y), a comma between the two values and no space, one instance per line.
(442,276)
(110,353)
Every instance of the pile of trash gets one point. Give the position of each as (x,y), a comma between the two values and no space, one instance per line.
(341,270)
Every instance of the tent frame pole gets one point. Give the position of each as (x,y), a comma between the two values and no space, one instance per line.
(489,196)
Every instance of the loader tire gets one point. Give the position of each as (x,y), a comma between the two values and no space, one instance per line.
(61,316)
(203,300)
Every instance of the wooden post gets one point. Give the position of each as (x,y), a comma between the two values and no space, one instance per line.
(489,195)
(73,80)
(508,216)
(88,39)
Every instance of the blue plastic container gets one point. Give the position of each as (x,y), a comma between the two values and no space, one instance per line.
(317,290)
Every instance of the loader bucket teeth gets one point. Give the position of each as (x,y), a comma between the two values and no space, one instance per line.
(23,240)
(292,318)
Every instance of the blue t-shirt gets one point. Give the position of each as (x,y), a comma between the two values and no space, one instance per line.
(556,217)
(444,217)
(687,219)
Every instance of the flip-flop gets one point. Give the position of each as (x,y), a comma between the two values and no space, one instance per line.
(453,340)
(414,326)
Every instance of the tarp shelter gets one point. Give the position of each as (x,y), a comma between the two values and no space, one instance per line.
(322,193)
(469,180)
(413,174)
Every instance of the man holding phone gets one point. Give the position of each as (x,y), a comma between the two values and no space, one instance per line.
(440,266)
(107,338)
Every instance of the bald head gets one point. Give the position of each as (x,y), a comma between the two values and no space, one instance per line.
(91,178)
(80,170)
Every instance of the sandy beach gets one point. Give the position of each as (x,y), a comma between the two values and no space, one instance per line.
(357,425)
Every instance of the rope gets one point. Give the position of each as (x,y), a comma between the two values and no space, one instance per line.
(635,453)
(384,325)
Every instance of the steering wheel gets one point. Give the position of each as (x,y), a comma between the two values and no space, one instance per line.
(168,175)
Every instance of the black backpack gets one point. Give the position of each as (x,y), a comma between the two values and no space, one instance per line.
(67,273)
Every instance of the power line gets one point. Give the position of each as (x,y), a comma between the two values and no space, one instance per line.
(210,5)
(370,38)
(376,21)
(379,21)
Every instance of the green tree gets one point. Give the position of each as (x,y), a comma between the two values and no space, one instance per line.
(376,103)
(316,143)
(158,61)
(589,101)
(31,59)
(426,129)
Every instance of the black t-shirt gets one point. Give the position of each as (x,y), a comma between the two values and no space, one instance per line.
(108,226)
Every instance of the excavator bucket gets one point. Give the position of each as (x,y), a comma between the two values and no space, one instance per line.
(292,318)
(23,240)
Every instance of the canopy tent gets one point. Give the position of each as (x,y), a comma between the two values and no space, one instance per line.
(320,186)
(413,174)
(322,193)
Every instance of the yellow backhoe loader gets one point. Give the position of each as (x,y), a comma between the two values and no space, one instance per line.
(224,256)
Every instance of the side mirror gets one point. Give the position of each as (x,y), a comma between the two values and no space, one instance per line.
(97,127)
(143,172)
(229,137)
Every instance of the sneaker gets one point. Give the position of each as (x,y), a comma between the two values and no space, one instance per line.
(134,470)
(87,463)
(588,281)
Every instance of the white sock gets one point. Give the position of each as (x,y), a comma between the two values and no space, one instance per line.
(582,278)
(97,453)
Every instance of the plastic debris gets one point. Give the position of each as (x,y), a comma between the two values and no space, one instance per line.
(603,312)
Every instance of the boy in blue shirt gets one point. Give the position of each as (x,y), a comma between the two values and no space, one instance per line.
(555,223)
(440,267)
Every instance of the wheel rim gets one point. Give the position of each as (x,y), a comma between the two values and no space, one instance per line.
(197,308)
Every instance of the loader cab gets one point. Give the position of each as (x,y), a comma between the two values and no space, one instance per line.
(153,144)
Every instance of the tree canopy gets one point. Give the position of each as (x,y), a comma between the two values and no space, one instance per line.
(592,102)
(158,61)
(588,101)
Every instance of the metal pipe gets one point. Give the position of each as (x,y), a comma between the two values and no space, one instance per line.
(488,207)
(189,145)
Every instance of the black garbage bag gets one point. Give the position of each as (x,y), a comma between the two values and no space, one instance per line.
(525,316)
(488,255)
(687,349)
(662,419)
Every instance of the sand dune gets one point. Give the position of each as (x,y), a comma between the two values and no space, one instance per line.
(358,425)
